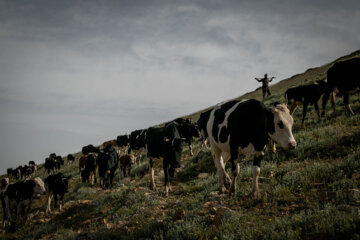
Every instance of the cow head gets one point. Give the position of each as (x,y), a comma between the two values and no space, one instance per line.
(39,187)
(280,124)
(65,181)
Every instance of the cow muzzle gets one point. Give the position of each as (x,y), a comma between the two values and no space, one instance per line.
(292,145)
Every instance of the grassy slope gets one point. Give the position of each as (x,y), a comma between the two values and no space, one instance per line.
(311,192)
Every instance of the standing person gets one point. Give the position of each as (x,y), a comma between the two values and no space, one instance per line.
(265,84)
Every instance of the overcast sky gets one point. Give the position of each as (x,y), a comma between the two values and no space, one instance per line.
(79,72)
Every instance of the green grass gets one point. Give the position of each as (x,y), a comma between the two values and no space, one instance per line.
(311,192)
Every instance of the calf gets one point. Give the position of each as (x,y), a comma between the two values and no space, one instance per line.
(305,95)
(56,184)
(108,161)
(164,142)
(18,197)
(126,161)
(343,78)
(89,172)
(245,127)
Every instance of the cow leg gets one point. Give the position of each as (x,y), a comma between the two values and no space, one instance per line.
(256,173)
(347,104)
(293,108)
(304,113)
(55,200)
(190,148)
(152,177)
(48,205)
(124,171)
(224,178)
(166,178)
(316,105)
(61,201)
(333,99)
(235,173)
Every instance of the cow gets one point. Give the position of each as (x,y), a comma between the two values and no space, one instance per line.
(4,183)
(27,171)
(32,163)
(201,124)
(18,197)
(343,78)
(108,161)
(89,172)
(137,142)
(187,130)
(166,143)
(110,142)
(9,172)
(126,161)
(305,95)
(16,173)
(122,141)
(56,184)
(49,165)
(245,127)
(82,162)
(70,158)
(89,149)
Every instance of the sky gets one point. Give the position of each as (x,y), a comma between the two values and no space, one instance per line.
(81,72)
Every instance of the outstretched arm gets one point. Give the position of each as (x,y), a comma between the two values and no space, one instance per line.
(271,79)
(258,79)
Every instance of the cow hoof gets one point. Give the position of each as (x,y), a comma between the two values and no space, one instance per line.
(222,190)
(256,195)
(153,187)
(227,183)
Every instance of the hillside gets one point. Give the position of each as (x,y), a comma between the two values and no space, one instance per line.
(311,192)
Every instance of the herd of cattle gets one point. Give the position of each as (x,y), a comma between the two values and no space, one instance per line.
(233,129)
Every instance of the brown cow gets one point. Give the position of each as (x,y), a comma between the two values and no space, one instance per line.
(126,161)
(82,162)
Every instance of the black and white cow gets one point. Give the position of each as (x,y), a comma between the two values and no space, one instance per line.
(56,184)
(187,131)
(108,160)
(27,171)
(89,172)
(245,127)
(18,197)
(9,172)
(343,78)
(305,95)
(137,143)
(166,143)
(201,124)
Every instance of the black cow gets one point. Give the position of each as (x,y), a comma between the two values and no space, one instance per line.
(89,172)
(107,160)
(89,149)
(56,184)
(50,165)
(18,197)
(16,173)
(164,142)
(201,124)
(27,171)
(4,183)
(187,130)
(245,127)
(137,142)
(70,158)
(53,163)
(122,141)
(343,78)
(305,95)
(9,172)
